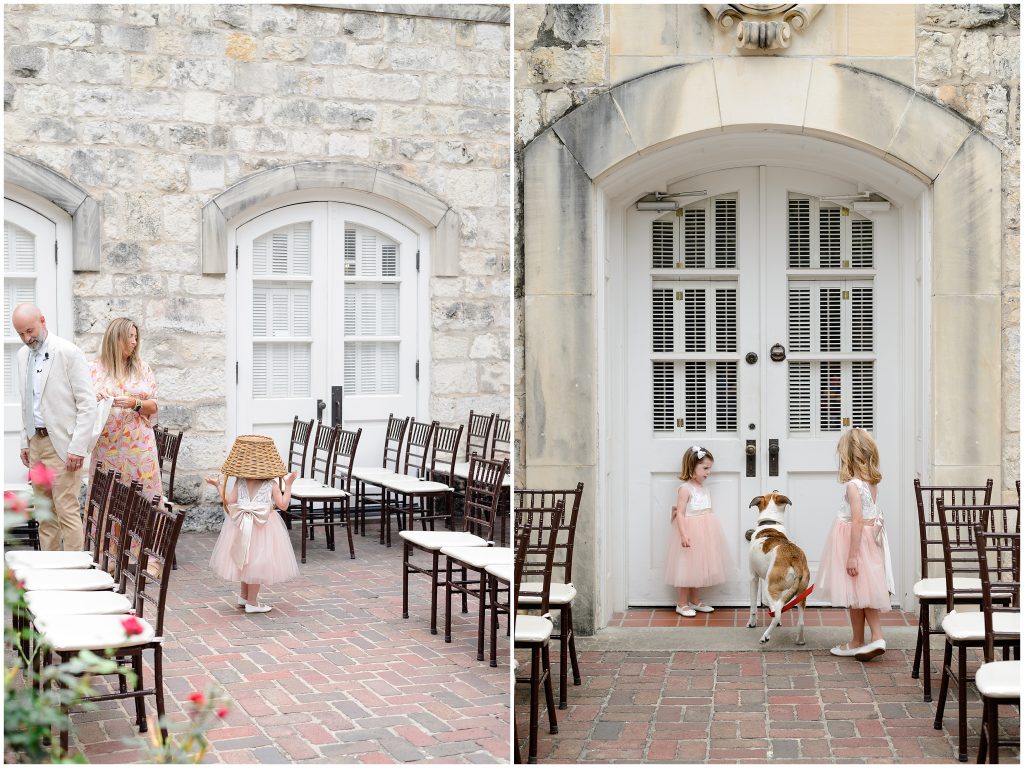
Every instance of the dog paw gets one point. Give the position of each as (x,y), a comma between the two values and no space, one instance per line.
(751,624)
(801,641)
(764,639)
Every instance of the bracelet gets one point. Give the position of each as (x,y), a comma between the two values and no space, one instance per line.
(138,406)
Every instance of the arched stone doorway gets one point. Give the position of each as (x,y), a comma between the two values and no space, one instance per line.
(569,171)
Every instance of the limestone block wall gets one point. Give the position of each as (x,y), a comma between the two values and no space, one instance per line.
(155,109)
(965,57)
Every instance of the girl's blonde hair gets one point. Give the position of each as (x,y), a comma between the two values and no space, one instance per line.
(112,349)
(694,455)
(858,456)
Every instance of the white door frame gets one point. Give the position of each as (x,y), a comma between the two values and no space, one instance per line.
(616,192)
(372,203)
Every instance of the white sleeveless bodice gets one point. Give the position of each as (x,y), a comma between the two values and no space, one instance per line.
(700,500)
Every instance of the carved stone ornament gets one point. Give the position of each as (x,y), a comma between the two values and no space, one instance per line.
(764,26)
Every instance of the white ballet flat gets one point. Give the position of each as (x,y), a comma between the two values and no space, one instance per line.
(871,650)
(687,612)
(259,608)
(702,608)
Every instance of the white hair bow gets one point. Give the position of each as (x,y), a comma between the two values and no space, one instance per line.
(698,451)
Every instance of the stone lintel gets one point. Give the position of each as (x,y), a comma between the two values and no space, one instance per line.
(946,132)
(413,197)
(445,256)
(255,189)
(85,236)
(596,135)
(329,175)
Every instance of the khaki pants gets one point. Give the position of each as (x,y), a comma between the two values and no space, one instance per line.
(64,530)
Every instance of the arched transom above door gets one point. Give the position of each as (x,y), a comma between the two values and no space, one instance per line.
(266,185)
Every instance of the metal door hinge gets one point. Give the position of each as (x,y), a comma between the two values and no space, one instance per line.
(417,260)
(417,370)
(236,257)
(54,251)
(236,372)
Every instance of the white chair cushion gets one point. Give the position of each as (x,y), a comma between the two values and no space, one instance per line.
(431,540)
(369,473)
(410,485)
(533,629)
(84,580)
(48,560)
(318,491)
(478,557)
(501,571)
(77,633)
(999,680)
(971,626)
(561,594)
(77,603)
(936,588)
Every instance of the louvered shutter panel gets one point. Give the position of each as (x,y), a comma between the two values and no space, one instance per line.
(664,396)
(799,319)
(862,308)
(694,238)
(863,395)
(829,248)
(726,395)
(799,233)
(19,288)
(725,233)
(696,396)
(663,339)
(799,396)
(663,250)
(19,249)
(829,314)
(831,394)
(862,243)
(350,253)
(725,320)
(694,320)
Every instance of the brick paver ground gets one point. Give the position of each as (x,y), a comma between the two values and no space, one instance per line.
(783,705)
(332,675)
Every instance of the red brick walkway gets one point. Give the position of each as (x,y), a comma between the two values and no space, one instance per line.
(784,705)
(813,617)
(333,674)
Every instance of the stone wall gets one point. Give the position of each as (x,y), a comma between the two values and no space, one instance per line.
(965,57)
(155,109)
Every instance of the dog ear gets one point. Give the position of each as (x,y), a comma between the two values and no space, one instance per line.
(756,502)
(780,499)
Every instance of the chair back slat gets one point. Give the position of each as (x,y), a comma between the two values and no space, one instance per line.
(344,458)
(958,525)
(168,461)
(323,453)
(298,445)
(96,508)
(501,442)
(483,495)
(156,560)
(160,437)
(927,497)
(115,531)
(565,532)
(478,433)
(417,448)
(999,569)
(444,453)
(542,524)
(140,517)
(393,438)
(522,542)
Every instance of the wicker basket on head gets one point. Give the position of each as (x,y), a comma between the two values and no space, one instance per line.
(254,457)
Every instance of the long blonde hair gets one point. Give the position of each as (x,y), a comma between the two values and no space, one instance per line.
(112,349)
(858,457)
(693,456)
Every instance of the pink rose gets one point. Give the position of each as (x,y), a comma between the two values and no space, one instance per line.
(197,698)
(132,626)
(13,502)
(222,712)
(41,476)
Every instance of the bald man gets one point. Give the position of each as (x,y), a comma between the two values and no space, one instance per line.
(58,408)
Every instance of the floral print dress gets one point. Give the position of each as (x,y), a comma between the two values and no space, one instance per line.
(127,442)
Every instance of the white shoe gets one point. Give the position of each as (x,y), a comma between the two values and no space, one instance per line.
(845,650)
(871,650)
(258,608)
(688,612)
(702,608)
(241,603)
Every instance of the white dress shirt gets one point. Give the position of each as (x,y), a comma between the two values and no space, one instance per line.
(36,361)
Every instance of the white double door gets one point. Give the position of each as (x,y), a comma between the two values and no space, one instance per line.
(326,296)
(761,264)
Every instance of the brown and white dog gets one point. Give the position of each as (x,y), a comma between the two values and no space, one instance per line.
(777,560)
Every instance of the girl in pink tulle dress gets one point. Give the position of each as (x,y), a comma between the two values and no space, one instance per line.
(698,553)
(254,547)
(856,568)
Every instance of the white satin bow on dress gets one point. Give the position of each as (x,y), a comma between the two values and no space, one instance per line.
(246,514)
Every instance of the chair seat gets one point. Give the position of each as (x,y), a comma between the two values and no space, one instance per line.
(66,603)
(501,571)
(318,491)
(561,594)
(999,680)
(24,559)
(80,580)
(410,485)
(936,588)
(78,633)
(368,473)
(478,557)
(533,629)
(431,540)
(971,626)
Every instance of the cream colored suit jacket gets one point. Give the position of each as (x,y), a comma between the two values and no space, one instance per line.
(68,402)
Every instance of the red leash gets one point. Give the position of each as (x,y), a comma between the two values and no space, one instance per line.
(794,601)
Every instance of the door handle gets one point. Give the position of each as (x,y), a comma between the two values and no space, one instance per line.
(773,458)
(751,451)
(320,406)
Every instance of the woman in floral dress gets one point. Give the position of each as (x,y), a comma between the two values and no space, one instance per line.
(127,442)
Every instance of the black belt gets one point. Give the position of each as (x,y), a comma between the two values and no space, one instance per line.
(41,432)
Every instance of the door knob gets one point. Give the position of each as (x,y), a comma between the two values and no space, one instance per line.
(773,458)
(751,451)
(320,406)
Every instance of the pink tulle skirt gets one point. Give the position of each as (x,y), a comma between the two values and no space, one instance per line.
(706,561)
(869,588)
(271,556)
